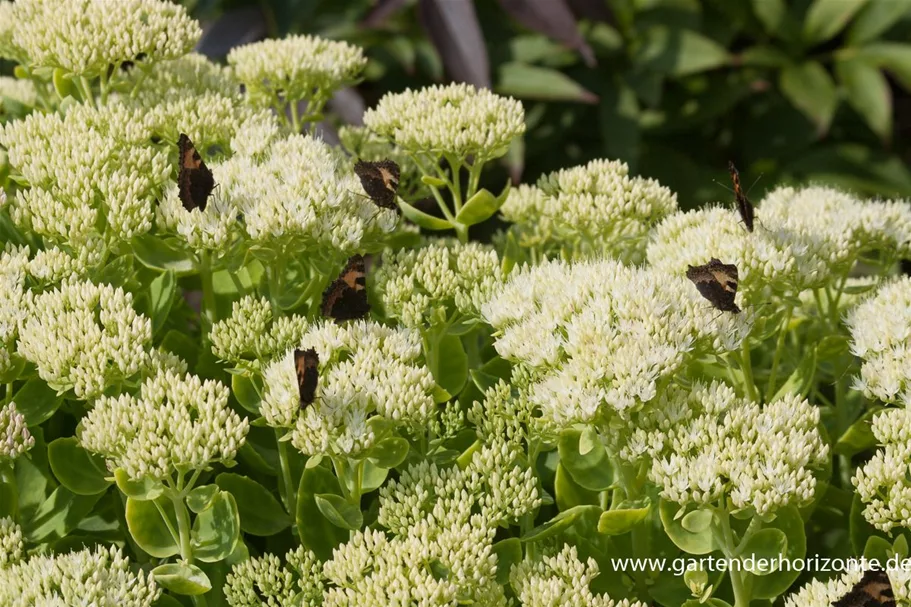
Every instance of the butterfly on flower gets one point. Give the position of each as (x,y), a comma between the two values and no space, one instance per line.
(346,297)
(380,179)
(194,179)
(873,590)
(306,363)
(717,282)
(744,206)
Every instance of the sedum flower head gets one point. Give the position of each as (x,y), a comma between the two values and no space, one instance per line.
(501,415)
(881,336)
(716,443)
(560,579)
(266,581)
(597,336)
(818,593)
(14,299)
(11,545)
(173,424)
(803,239)
(86,37)
(23,92)
(364,369)
(100,181)
(594,209)
(301,194)
(15,439)
(100,576)
(882,483)
(85,337)
(251,333)
(456,119)
(295,68)
(437,281)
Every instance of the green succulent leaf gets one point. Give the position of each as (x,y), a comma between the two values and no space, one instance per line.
(81,472)
(182,578)
(260,512)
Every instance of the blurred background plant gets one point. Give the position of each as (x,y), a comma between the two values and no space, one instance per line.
(790,91)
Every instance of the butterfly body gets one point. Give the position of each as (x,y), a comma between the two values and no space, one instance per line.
(380,180)
(717,282)
(306,364)
(744,206)
(346,297)
(194,179)
(873,590)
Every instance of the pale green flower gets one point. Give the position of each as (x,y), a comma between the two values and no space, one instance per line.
(101,576)
(456,119)
(591,210)
(87,37)
(266,581)
(717,444)
(11,545)
(882,483)
(174,423)
(437,283)
(251,334)
(560,579)
(15,439)
(364,368)
(85,337)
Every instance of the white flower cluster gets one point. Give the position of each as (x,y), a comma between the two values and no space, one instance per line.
(11,546)
(14,300)
(716,444)
(87,37)
(364,368)
(266,581)
(296,68)
(173,423)
(92,175)
(85,337)
(20,91)
(100,576)
(15,439)
(803,238)
(501,415)
(251,333)
(456,119)
(600,336)
(882,483)
(190,95)
(438,280)
(301,194)
(818,593)
(560,579)
(881,336)
(591,210)
(444,522)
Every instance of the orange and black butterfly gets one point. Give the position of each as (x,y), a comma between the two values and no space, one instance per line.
(717,282)
(346,297)
(306,363)
(194,179)
(744,206)
(873,590)
(380,180)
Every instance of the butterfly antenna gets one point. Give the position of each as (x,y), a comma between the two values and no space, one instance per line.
(722,185)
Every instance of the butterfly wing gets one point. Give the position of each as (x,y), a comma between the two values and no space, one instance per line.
(306,364)
(717,282)
(873,590)
(380,180)
(346,297)
(195,181)
(744,206)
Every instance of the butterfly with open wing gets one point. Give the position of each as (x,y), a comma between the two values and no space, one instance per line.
(380,179)
(346,297)
(306,363)
(194,179)
(873,590)
(717,282)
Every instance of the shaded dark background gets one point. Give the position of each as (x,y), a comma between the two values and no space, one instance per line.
(791,91)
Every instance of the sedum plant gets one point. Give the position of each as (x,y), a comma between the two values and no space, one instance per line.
(284,393)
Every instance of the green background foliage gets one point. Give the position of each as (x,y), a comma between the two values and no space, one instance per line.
(792,91)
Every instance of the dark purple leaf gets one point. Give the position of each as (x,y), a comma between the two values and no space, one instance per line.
(233,28)
(382,10)
(553,19)
(348,104)
(453,27)
(596,10)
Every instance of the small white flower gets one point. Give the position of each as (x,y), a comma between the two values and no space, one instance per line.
(882,483)
(15,439)
(265,578)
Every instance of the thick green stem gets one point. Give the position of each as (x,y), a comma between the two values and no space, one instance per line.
(746,365)
(776,359)
(455,183)
(208,294)
(295,117)
(738,579)
(85,88)
(285,462)
(9,393)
